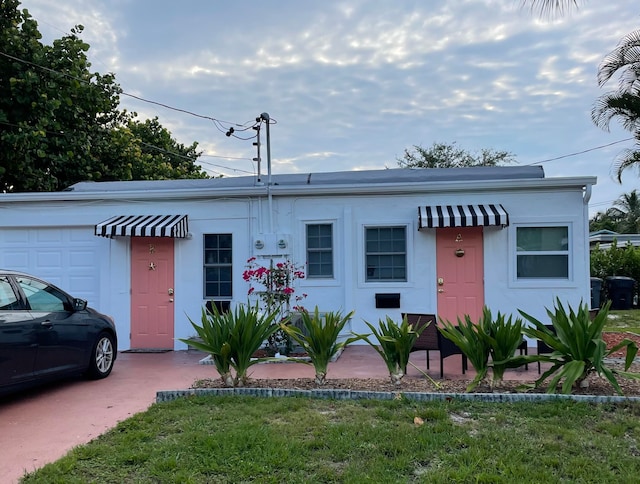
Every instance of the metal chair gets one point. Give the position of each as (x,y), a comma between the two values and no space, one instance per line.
(432,340)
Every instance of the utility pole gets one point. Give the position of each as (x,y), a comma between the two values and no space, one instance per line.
(265,117)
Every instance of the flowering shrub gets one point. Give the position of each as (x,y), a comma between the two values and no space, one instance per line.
(273,285)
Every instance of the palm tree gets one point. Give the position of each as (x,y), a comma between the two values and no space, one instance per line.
(627,210)
(549,7)
(623,103)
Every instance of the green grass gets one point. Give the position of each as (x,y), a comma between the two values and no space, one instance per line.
(296,440)
(627,320)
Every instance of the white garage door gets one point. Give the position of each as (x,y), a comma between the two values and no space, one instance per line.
(66,257)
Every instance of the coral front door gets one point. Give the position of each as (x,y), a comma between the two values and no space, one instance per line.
(151,293)
(460,273)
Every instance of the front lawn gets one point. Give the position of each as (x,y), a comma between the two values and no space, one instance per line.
(624,320)
(245,439)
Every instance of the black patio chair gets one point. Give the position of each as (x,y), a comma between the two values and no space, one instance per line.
(432,340)
(544,348)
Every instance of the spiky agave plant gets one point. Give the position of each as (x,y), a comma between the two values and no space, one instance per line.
(488,344)
(320,338)
(578,347)
(214,332)
(394,344)
(466,335)
(503,335)
(232,338)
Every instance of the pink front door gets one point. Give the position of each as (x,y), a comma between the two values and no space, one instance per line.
(152,293)
(460,272)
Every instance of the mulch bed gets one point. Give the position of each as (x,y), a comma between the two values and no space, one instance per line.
(596,384)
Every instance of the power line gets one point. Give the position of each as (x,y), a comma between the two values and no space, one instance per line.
(178,155)
(580,152)
(218,123)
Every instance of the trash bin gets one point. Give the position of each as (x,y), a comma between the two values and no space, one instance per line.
(596,292)
(620,291)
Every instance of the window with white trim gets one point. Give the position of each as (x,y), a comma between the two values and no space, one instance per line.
(542,252)
(319,251)
(218,266)
(386,254)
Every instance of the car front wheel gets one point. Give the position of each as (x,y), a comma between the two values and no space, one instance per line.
(102,357)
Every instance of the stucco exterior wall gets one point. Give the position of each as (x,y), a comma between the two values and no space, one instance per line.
(249,217)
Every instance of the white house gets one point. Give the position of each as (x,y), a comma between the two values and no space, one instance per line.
(384,242)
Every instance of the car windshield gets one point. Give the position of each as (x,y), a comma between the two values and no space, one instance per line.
(42,297)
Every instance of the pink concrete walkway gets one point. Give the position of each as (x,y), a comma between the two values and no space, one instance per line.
(41,425)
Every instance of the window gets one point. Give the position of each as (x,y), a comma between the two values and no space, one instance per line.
(42,297)
(319,251)
(8,299)
(542,252)
(386,254)
(217,266)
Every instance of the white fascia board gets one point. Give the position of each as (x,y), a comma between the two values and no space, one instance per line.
(300,190)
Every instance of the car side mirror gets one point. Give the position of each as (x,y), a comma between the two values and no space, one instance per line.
(79,304)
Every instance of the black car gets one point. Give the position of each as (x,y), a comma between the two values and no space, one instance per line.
(47,334)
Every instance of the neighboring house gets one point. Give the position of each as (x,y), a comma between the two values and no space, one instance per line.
(604,238)
(443,241)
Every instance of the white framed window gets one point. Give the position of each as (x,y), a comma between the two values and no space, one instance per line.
(542,252)
(319,242)
(385,254)
(218,267)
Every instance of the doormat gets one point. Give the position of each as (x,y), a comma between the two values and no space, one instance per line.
(147,350)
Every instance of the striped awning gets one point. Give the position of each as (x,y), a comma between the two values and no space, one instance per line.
(144,226)
(438,216)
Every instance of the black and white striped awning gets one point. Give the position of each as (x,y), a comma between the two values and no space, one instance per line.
(144,226)
(438,216)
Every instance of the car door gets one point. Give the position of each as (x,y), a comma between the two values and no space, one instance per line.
(61,332)
(18,336)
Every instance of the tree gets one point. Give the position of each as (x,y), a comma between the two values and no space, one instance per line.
(443,155)
(60,122)
(627,210)
(624,102)
(550,7)
(603,221)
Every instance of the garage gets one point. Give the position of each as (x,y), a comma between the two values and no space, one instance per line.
(64,256)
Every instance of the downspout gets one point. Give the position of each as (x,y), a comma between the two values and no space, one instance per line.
(587,194)
(587,246)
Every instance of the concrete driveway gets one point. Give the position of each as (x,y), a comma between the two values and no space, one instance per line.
(41,425)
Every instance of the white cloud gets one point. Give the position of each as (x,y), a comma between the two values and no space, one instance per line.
(352,84)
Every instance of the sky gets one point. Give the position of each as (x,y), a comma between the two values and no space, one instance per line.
(349,85)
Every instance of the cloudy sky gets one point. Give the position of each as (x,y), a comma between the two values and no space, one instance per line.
(351,84)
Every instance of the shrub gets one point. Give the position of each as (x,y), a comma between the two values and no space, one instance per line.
(578,347)
(274,288)
(488,338)
(395,343)
(320,338)
(232,338)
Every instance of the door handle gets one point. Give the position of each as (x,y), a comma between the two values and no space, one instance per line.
(170,291)
(47,324)
(170,299)
(440,290)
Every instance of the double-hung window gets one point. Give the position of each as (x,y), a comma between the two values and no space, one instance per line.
(319,251)
(386,254)
(218,266)
(542,252)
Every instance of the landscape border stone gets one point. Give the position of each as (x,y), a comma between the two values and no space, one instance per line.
(341,394)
